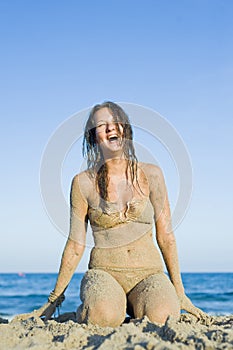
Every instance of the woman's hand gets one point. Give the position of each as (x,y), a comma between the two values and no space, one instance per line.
(187,305)
(46,310)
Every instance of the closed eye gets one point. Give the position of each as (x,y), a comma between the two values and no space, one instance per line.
(99,125)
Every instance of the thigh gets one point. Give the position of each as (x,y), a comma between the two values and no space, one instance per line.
(154,297)
(103,299)
(99,284)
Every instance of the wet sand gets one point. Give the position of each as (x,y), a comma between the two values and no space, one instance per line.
(137,334)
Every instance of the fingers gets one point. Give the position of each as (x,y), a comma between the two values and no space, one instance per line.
(35,313)
(49,313)
(202,317)
(22,317)
(42,309)
(48,310)
(187,305)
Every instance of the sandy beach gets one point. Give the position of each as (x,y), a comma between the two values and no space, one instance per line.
(65,333)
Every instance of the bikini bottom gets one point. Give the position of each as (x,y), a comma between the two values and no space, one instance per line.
(128,278)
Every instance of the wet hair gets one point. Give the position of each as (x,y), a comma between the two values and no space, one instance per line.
(92,152)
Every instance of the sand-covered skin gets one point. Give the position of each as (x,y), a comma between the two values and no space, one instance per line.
(137,334)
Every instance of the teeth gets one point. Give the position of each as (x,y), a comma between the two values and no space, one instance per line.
(114,137)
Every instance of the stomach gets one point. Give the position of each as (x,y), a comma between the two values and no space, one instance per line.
(141,253)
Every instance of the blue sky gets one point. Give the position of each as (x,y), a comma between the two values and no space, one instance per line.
(57,58)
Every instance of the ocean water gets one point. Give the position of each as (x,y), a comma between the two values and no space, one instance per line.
(21,293)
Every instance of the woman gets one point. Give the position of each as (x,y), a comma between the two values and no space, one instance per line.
(122,199)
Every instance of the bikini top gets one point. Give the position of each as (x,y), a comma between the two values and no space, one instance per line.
(113,227)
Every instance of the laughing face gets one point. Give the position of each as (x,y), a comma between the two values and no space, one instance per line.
(109,134)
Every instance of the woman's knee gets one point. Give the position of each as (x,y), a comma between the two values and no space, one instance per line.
(104,300)
(105,314)
(102,312)
(160,313)
(156,313)
(155,297)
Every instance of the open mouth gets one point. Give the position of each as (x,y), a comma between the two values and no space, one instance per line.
(113,138)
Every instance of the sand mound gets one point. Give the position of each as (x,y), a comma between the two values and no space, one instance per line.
(137,334)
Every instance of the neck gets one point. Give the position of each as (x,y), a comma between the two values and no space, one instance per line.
(117,166)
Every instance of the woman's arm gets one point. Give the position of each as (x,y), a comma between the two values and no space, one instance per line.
(164,234)
(70,258)
(73,250)
(75,244)
(166,239)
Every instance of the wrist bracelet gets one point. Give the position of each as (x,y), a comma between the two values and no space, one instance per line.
(55,298)
(52,297)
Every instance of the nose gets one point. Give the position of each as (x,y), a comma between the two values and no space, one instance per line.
(110,127)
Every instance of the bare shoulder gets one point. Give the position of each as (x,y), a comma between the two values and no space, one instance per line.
(155,178)
(151,171)
(82,183)
(83,178)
